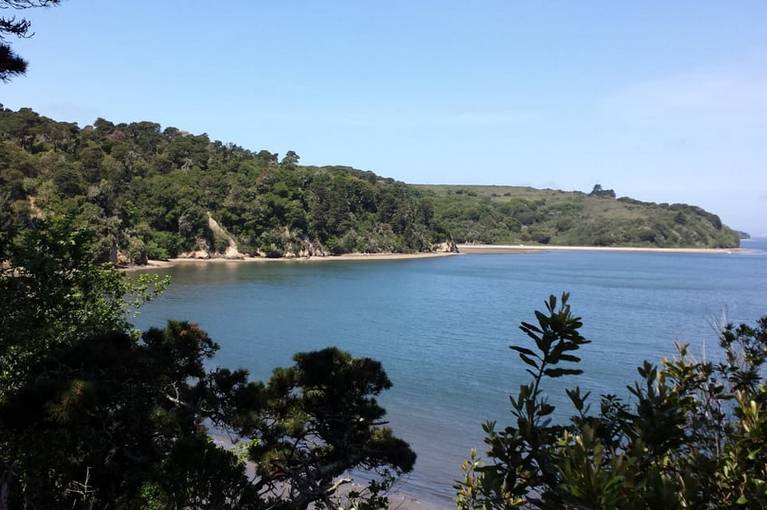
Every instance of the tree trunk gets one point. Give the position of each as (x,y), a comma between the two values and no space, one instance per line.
(4,493)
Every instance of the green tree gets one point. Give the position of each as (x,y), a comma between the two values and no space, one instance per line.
(290,159)
(56,292)
(323,420)
(94,414)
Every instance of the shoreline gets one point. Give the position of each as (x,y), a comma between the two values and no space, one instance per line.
(346,257)
(530,248)
(463,249)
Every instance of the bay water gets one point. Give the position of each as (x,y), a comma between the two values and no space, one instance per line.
(442,327)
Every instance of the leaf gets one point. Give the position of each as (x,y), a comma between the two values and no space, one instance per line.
(527,326)
(552,304)
(528,360)
(546,409)
(524,350)
(559,372)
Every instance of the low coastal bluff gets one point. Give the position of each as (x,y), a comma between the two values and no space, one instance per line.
(153,193)
(298,248)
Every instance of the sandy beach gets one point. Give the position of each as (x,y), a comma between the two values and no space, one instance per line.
(462,248)
(349,257)
(522,248)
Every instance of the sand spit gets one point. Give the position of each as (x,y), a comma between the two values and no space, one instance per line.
(522,248)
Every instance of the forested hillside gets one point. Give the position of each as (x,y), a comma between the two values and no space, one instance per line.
(516,214)
(158,193)
(155,193)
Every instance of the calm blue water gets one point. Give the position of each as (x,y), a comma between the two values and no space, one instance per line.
(442,326)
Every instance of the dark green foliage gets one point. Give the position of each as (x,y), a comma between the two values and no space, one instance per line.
(693,434)
(322,420)
(513,215)
(123,415)
(94,414)
(599,191)
(128,421)
(136,182)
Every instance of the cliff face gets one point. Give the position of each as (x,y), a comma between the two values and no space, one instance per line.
(298,247)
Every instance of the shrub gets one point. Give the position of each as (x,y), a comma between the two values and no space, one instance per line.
(694,434)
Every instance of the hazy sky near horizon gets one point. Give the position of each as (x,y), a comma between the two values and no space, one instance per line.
(662,101)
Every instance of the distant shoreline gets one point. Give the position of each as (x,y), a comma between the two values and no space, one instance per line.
(347,257)
(522,248)
(462,249)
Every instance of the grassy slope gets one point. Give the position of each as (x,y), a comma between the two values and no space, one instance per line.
(513,214)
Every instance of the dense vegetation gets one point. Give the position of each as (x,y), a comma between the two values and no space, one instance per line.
(692,435)
(512,214)
(152,193)
(94,414)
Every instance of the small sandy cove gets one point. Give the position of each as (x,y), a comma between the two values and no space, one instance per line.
(522,248)
(158,264)
(462,248)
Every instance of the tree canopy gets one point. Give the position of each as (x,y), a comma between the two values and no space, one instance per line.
(154,193)
(160,193)
(518,214)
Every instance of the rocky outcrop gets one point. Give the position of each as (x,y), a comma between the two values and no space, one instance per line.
(285,245)
(219,232)
(448,246)
(307,249)
(201,250)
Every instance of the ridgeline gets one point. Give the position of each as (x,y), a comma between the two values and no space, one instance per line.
(516,214)
(154,193)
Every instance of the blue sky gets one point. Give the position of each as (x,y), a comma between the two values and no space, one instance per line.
(663,101)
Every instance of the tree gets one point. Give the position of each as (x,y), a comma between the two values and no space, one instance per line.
(128,421)
(323,420)
(56,292)
(694,435)
(290,159)
(125,419)
(10,63)
(598,191)
(95,414)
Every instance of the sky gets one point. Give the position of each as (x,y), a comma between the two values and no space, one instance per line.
(661,101)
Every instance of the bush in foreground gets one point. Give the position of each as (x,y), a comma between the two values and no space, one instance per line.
(94,414)
(692,435)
